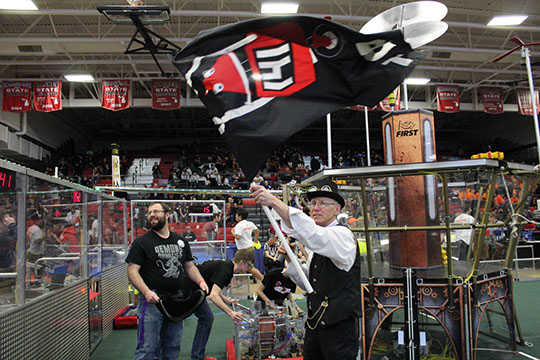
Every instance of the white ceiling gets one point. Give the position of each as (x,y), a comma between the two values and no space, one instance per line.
(75,37)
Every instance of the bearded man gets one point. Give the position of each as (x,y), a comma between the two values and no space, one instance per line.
(158,263)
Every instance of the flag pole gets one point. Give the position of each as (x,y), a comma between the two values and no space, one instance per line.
(405,95)
(367,136)
(329,138)
(292,256)
(526,54)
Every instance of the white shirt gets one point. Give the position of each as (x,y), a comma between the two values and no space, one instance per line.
(244,228)
(335,242)
(34,233)
(464,234)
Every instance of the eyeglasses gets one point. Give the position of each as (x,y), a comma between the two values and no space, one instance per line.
(250,265)
(322,204)
(152,212)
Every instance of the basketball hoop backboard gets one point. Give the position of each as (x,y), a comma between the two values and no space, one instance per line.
(124,14)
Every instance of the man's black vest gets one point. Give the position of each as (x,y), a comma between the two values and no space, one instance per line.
(338,288)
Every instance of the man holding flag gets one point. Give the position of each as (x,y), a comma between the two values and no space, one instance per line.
(333,269)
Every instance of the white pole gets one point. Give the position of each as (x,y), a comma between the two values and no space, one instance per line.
(56,171)
(405,96)
(367,136)
(525,53)
(292,256)
(329,138)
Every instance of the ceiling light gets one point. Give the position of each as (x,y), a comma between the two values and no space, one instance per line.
(507,20)
(417,81)
(79,77)
(17,5)
(279,8)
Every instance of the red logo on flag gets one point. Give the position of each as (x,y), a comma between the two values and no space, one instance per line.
(17,96)
(448,98)
(48,96)
(492,99)
(525,103)
(166,94)
(115,94)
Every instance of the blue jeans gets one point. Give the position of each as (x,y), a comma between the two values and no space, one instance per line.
(161,338)
(205,319)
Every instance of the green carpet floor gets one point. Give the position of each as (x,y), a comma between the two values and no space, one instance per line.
(121,343)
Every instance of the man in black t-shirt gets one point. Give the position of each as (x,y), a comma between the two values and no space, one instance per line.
(218,275)
(276,287)
(158,263)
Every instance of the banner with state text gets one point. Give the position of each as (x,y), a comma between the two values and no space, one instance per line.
(448,98)
(491,98)
(166,94)
(115,94)
(525,103)
(17,96)
(48,96)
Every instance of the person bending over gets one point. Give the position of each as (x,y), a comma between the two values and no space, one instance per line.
(217,274)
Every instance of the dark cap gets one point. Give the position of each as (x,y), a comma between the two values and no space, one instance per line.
(325,188)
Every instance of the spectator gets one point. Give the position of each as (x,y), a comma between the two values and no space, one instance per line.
(211,228)
(156,171)
(245,233)
(189,235)
(8,240)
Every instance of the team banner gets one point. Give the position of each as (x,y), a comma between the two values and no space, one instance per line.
(115,94)
(16,96)
(448,98)
(525,103)
(265,79)
(492,99)
(385,103)
(166,94)
(48,96)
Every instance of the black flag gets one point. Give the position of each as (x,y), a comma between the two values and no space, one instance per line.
(264,79)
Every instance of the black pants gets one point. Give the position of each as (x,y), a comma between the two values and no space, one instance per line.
(338,341)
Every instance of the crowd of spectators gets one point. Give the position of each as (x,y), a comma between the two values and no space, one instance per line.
(212,168)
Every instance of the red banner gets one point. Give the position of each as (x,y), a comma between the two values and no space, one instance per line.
(166,94)
(115,94)
(448,98)
(361,108)
(17,96)
(525,103)
(492,99)
(48,96)
(385,104)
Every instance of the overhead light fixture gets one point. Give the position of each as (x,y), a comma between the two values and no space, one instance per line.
(279,8)
(17,5)
(507,20)
(79,77)
(417,81)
